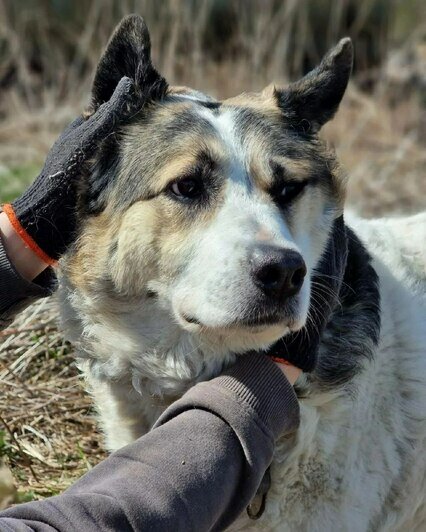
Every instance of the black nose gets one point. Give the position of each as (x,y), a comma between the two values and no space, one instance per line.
(279,273)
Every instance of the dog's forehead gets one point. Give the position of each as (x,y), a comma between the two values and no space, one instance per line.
(248,130)
(248,111)
(250,122)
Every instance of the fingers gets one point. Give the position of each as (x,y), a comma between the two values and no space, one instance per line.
(123,104)
(69,131)
(124,93)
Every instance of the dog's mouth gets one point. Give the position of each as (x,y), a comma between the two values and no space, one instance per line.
(261,321)
(252,322)
(241,332)
(191,320)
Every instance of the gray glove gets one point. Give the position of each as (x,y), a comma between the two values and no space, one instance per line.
(44,215)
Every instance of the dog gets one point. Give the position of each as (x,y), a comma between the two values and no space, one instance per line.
(204,229)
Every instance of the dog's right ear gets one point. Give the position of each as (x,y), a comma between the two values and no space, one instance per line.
(128,53)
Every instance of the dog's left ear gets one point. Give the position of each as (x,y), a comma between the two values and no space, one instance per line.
(312,101)
(128,53)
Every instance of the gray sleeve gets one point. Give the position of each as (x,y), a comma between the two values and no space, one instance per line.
(16,293)
(195,471)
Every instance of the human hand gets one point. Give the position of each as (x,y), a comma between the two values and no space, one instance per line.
(291,372)
(44,216)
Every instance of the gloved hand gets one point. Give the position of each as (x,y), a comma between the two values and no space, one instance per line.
(44,216)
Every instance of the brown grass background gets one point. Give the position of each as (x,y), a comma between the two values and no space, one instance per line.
(48,53)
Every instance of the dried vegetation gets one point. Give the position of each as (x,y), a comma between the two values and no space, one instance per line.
(47,432)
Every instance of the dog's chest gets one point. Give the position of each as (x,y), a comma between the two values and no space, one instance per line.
(306,484)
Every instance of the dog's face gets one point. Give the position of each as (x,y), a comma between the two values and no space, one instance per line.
(212,214)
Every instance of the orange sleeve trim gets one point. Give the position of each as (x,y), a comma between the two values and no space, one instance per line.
(16,224)
(281,361)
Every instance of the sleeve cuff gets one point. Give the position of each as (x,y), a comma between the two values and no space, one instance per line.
(258,381)
(254,387)
(16,292)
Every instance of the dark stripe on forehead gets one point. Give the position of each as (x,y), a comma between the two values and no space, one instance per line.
(213,106)
(249,120)
(288,143)
(186,121)
(284,141)
(285,146)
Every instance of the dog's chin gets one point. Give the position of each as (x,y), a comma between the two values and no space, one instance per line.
(242,335)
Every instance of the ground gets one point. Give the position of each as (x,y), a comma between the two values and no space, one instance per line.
(48,434)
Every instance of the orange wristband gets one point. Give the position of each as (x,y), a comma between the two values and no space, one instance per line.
(10,213)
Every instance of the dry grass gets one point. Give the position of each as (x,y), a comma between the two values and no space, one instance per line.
(382,148)
(48,435)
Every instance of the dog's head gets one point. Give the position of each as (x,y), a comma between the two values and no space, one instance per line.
(211,215)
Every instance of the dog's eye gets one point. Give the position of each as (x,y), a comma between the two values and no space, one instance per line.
(290,191)
(187,188)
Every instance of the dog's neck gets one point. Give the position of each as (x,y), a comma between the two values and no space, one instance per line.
(301,348)
(352,331)
(344,316)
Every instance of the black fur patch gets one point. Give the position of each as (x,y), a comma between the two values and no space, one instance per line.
(352,333)
(310,102)
(343,325)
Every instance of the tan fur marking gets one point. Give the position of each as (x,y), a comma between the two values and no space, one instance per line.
(266,104)
(297,170)
(86,264)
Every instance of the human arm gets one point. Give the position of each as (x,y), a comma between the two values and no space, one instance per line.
(196,470)
(16,291)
